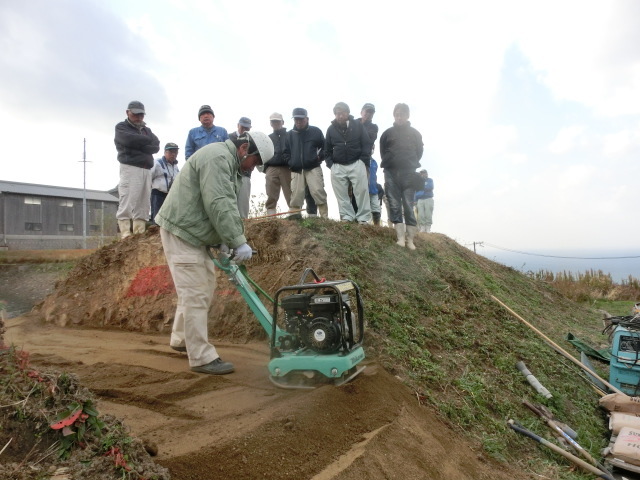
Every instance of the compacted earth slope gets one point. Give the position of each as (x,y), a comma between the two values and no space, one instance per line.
(108,322)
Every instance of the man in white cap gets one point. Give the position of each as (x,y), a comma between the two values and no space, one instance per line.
(201,209)
(205,134)
(136,144)
(276,170)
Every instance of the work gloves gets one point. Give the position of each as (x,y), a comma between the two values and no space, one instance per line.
(243,253)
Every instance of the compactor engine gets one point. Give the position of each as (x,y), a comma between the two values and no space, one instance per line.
(319,321)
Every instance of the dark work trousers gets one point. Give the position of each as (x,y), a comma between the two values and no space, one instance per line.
(312,208)
(400,195)
(157,199)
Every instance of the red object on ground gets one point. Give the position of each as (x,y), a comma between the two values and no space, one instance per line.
(151,281)
(70,420)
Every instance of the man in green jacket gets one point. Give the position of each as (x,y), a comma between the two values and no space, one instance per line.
(201,209)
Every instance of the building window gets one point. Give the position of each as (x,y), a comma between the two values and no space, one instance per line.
(33,227)
(66,203)
(66,227)
(94,228)
(32,200)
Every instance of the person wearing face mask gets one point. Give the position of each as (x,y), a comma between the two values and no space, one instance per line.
(136,144)
(201,209)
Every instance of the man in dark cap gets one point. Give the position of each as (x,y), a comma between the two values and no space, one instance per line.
(205,134)
(244,196)
(305,150)
(348,151)
(136,144)
(366,117)
(162,175)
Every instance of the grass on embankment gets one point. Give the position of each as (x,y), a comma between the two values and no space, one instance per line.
(432,322)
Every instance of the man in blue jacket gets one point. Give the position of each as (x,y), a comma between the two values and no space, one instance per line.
(205,134)
(305,150)
(136,144)
(424,202)
(348,150)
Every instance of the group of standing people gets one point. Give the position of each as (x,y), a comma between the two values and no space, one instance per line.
(202,206)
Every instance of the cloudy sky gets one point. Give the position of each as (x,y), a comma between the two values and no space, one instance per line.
(530,110)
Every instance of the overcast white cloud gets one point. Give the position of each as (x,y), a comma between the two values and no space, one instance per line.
(530,111)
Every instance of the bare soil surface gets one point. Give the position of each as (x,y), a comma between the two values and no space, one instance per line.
(119,304)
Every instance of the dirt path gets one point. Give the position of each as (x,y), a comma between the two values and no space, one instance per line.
(241,426)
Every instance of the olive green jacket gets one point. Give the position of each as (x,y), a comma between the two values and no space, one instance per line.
(202,206)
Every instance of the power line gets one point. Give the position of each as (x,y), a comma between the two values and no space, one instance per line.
(551,256)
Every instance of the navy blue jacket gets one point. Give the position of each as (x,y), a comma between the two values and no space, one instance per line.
(305,148)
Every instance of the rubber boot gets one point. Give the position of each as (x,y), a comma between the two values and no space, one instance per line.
(376,218)
(139,226)
(125,228)
(400,230)
(324,210)
(411,232)
(271,211)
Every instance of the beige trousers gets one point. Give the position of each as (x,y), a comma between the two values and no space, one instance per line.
(195,280)
(315,180)
(134,192)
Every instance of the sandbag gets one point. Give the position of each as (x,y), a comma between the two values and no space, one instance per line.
(619,402)
(627,446)
(619,420)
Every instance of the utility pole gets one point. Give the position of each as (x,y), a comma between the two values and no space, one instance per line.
(480,244)
(84,195)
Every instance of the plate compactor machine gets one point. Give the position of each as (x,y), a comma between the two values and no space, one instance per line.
(315,328)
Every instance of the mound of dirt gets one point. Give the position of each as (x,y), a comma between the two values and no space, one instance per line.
(238,426)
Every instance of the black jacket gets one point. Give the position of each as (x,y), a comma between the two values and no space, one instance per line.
(135,146)
(305,148)
(401,147)
(280,159)
(371,128)
(348,144)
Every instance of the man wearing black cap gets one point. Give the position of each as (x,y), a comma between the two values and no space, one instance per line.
(205,134)
(305,149)
(367,112)
(244,195)
(366,117)
(162,175)
(136,144)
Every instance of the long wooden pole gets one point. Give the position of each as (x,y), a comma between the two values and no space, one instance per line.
(272,215)
(557,347)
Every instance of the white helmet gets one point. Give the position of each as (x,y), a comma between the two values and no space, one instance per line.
(264,144)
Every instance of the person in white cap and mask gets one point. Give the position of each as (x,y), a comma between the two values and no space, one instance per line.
(276,170)
(201,209)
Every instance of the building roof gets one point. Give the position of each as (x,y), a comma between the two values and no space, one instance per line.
(52,191)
